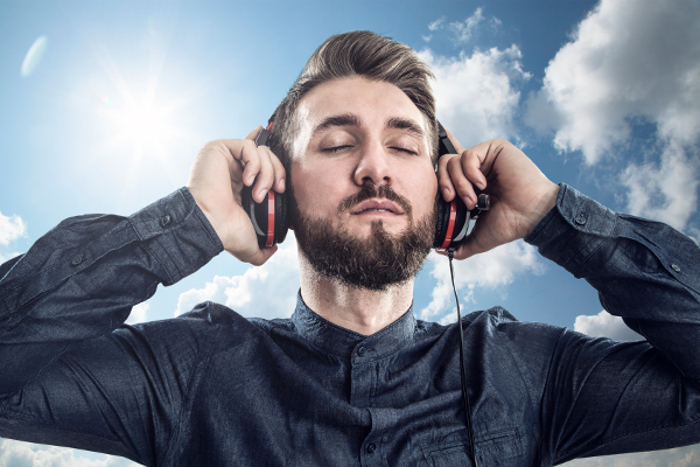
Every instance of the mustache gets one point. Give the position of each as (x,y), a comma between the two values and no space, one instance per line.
(370,190)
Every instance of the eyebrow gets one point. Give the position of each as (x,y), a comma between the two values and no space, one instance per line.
(351,120)
(337,120)
(406,124)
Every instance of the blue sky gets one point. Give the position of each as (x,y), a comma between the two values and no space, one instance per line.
(103,106)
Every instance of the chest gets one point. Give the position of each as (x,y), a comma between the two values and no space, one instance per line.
(297,406)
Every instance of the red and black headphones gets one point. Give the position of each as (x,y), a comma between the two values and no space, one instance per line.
(452,220)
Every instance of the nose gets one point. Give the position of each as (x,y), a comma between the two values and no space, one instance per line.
(373,165)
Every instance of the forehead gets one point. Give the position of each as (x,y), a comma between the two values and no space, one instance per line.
(372,102)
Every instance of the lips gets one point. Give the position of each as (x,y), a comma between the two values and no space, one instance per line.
(377,205)
(376,199)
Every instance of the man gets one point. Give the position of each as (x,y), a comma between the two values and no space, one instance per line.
(352,378)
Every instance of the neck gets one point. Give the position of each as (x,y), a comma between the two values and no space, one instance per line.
(358,309)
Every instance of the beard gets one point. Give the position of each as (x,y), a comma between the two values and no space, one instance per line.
(375,262)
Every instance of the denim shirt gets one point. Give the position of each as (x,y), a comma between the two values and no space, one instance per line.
(213,388)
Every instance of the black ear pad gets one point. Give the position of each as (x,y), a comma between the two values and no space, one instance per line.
(451,223)
(281,219)
(269,218)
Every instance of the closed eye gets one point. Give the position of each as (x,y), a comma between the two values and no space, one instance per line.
(405,150)
(334,149)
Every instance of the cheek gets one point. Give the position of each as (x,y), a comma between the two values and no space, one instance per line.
(313,192)
(424,190)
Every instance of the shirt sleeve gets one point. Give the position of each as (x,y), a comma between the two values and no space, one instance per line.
(64,368)
(605,397)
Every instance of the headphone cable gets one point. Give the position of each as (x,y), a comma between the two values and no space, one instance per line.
(463,371)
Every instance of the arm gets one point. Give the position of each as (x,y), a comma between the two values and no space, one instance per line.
(605,397)
(69,374)
(600,397)
(65,364)
(645,271)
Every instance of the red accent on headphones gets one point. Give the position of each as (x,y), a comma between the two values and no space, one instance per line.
(450,225)
(270,219)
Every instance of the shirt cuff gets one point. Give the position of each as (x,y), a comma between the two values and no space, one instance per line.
(178,233)
(573,230)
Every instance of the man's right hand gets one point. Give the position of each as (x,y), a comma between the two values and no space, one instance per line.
(216,179)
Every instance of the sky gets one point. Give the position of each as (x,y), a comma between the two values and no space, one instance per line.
(103,106)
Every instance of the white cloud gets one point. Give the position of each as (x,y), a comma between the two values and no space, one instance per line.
(605,325)
(11,228)
(497,267)
(34,56)
(138,313)
(667,191)
(20,454)
(629,60)
(677,457)
(268,291)
(437,24)
(465,30)
(477,96)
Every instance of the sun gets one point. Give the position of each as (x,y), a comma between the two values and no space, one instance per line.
(143,123)
(141,113)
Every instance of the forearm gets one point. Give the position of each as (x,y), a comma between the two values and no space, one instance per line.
(646,272)
(81,279)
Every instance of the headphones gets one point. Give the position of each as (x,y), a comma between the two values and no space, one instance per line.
(271,223)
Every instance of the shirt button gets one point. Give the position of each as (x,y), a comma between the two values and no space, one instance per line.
(371,448)
(77,260)
(581,218)
(675,267)
(165,220)
(361,351)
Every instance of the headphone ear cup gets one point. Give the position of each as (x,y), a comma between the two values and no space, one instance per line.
(281,217)
(258,213)
(451,224)
(442,218)
(261,215)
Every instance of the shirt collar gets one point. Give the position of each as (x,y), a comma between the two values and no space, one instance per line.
(343,342)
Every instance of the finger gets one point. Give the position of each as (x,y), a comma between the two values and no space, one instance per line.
(447,189)
(463,186)
(280,172)
(248,157)
(266,175)
(471,165)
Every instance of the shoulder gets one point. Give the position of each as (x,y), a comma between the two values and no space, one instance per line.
(496,333)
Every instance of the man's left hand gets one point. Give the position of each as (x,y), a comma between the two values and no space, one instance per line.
(521,195)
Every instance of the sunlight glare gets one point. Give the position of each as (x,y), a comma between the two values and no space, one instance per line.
(143,124)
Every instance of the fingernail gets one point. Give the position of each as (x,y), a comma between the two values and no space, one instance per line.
(445,193)
(281,184)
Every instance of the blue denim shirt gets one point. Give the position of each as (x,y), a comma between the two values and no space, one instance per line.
(213,388)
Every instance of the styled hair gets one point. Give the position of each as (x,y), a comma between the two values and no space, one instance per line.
(358,53)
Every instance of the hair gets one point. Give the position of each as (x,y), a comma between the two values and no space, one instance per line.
(357,53)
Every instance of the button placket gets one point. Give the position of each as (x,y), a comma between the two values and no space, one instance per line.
(363,372)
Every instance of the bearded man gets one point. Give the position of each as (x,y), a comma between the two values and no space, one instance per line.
(352,378)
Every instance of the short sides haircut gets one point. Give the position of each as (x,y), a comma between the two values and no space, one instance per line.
(357,53)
